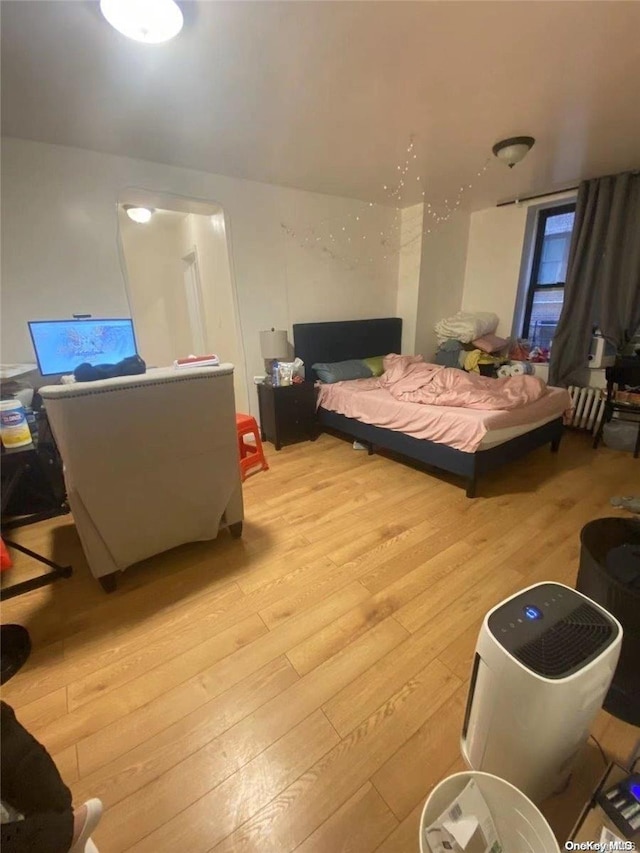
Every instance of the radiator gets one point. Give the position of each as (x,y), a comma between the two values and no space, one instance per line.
(588,407)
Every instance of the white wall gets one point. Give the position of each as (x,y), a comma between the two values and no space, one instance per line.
(409,273)
(494,255)
(153,261)
(60,254)
(498,263)
(442,272)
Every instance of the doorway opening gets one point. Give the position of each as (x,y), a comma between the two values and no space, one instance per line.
(179,282)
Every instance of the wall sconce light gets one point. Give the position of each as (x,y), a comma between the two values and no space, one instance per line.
(141,215)
(150,21)
(513,150)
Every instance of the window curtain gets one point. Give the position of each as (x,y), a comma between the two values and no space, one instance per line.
(603,274)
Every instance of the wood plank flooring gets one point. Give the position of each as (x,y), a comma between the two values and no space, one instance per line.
(302,688)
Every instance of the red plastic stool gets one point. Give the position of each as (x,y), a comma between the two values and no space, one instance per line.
(251,455)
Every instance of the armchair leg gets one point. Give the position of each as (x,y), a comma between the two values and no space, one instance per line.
(109,583)
(235,529)
(636,452)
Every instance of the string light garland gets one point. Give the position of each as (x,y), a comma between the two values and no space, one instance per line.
(453,207)
(329,235)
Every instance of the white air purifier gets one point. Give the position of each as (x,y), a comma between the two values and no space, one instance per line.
(601,353)
(543,664)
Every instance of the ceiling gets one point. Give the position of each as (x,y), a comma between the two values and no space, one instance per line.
(325,96)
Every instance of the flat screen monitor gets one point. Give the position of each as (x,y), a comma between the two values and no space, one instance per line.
(61,345)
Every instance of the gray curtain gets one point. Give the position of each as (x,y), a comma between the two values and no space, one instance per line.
(603,274)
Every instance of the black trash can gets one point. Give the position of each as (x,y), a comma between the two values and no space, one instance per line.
(609,573)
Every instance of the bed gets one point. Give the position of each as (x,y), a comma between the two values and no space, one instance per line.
(507,437)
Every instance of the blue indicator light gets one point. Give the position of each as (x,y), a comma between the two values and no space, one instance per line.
(532,612)
(635,790)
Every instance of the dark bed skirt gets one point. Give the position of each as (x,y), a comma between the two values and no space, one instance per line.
(468,465)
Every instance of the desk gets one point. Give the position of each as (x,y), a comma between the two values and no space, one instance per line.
(590,823)
(625,372)
(18,465)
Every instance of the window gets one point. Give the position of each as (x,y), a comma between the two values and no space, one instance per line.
(548,273)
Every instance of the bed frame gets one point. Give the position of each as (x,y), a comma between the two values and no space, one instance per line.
(338,341)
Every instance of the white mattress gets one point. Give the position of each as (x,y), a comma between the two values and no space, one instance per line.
(494,437)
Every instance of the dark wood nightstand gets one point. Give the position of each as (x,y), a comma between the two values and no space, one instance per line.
(287,413)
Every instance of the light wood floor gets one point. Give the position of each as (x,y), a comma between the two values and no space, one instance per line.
(301,689)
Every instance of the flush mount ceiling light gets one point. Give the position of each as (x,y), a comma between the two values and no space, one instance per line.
(512,151)
(141,215)
(151,21)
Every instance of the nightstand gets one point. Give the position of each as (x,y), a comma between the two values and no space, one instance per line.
(287,413)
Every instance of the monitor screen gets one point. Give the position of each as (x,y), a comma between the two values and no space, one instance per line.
(61,345)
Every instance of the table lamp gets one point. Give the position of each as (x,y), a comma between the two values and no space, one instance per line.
(274,347)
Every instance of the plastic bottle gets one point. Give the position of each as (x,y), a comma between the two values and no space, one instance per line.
(32,423)
(14,429)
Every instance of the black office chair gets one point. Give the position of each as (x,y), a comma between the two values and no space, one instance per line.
(625,373)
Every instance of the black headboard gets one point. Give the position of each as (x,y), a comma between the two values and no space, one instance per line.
(346,339)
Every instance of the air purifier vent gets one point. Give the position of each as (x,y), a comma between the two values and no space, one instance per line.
(568,645)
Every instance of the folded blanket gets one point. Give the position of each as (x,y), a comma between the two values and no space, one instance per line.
(447,354)
(490,343)
(410,379)
(466,327)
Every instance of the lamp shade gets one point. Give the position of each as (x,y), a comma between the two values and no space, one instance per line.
(274,344)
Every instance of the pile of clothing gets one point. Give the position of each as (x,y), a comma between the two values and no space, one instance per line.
(468,341)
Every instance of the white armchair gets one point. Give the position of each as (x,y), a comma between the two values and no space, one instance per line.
(150,462)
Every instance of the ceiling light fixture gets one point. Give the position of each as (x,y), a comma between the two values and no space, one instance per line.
(141,215)
(150,21)
(513,150)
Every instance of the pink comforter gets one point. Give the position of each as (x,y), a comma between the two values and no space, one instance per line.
(410,379)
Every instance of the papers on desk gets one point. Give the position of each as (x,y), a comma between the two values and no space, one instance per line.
(466,826)
(610,841)
(10,371)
